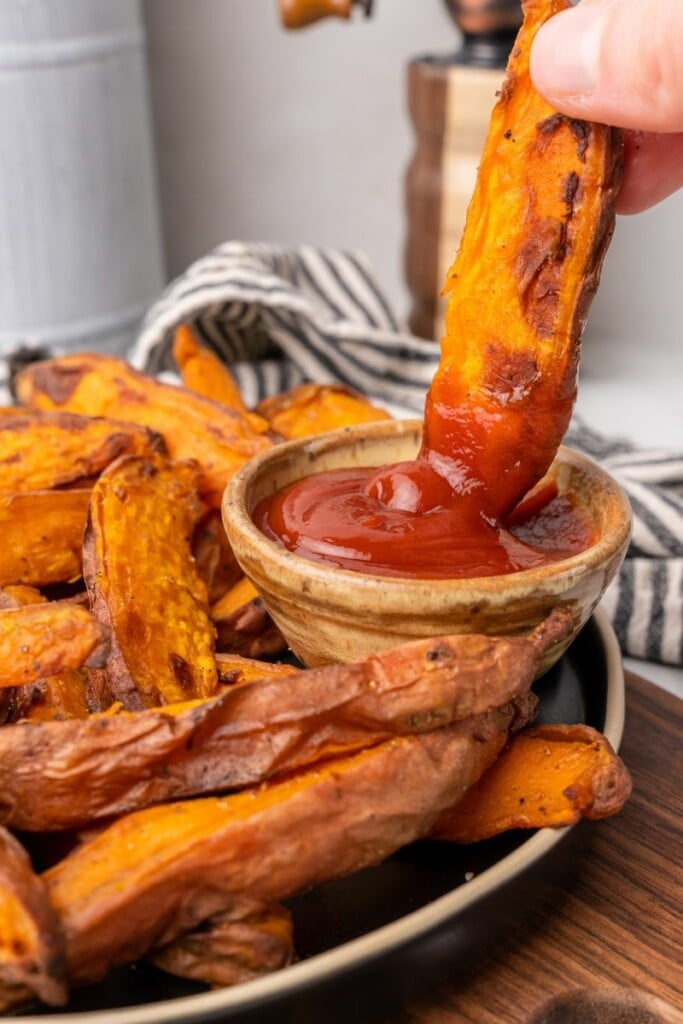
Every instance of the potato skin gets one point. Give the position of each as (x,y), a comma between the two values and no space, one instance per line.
(249,940)
(60,775)
(32,960)
(143,583)
(152,875)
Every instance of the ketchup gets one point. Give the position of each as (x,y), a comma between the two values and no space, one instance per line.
(407,520)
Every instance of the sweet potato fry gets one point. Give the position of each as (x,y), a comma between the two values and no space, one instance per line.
(243,625)
(548,777)
(158,873)
(43,450)
(537,229)
(204,373)
(249,940)
(54,698)
(314,408)
(193,427)
(216,563)
(143,582)
(44,639)
(61,775)
(32,961)
(235,670)
(19,594)
(42,534)
(58,696)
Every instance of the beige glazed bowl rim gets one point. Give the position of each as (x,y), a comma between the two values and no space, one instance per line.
(287,569)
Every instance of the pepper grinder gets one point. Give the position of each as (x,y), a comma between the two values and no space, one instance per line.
(450,99)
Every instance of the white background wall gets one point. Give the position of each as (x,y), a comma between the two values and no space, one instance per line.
(304,137)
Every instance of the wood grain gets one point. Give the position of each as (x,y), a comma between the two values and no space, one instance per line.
(615,924)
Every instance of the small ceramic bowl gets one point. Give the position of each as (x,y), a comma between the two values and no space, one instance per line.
(332,615)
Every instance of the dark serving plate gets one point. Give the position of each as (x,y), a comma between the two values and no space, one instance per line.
(382,936)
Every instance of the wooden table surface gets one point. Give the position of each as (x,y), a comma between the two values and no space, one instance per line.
(617,923)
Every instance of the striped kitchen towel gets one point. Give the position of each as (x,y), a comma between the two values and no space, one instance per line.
(283,316)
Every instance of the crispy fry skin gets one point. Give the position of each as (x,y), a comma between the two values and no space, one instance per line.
(548,777)
(249,940)
(204,373)
(314,408)
(537,229)
(144,585)
(44,639)
(40,451)
(219,439)
(60,775)
(42,533)
(191,860)
(32,960)
(216,563)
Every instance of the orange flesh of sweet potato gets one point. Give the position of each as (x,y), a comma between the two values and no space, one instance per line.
(61,775)
(243,625)
(193,427)
(16,595)
(537,229)
(234,670)
(152,875)
(204,373)
(315,408)
(42,535)
(144,585)
(249,940)
(31,945)
(549,776)
(39,451)
(44,639)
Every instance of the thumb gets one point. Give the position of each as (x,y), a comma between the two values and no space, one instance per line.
(615,61)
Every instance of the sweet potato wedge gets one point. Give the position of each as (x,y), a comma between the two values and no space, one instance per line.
(204,373)
(32,960)
(216,563)
(235,670)
(311,409)
(42,535)
(249,940)
(43,450)
(158,873)
(193,427)
(144,585)
(43,639)
(243,625)
(548,777)
(537,229)
(61,775)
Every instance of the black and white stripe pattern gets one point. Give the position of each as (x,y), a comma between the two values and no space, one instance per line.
(283,316)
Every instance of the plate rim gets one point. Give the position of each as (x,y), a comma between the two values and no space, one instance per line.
(322,966)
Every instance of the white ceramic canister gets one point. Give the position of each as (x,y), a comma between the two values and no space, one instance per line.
(80,240)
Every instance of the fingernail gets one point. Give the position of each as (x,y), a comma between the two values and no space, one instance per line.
(565,58)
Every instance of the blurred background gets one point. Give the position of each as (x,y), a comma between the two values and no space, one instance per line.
(144,133)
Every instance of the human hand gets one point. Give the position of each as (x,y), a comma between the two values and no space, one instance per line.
(621,62)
